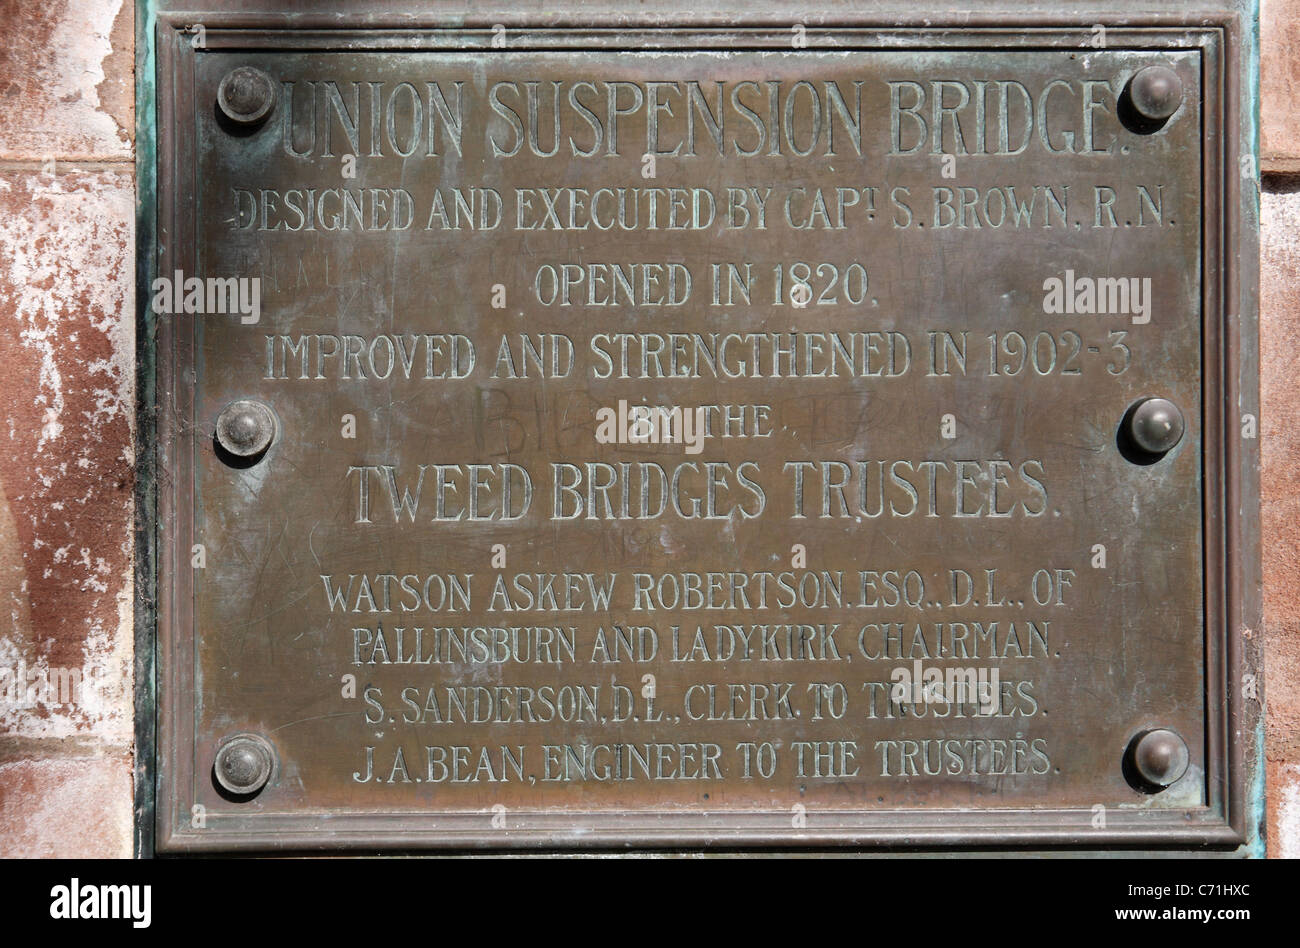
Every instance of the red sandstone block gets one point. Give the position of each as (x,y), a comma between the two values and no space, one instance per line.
(1279,83)
(1283,810)
(1280,481)
(66,807)
(66,79)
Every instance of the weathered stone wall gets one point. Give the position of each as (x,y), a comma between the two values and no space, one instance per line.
(1279,315)
(67,387)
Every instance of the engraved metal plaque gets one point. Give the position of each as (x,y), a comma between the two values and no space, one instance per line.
(681,436)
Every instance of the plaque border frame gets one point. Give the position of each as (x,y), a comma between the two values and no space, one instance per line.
(1231,823)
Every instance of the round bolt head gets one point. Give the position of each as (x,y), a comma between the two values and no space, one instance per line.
(243,764)
(1160,757)
(245,428)
(1157,92)
(246,95)
(1156,425)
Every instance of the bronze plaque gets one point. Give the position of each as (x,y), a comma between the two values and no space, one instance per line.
(666,438)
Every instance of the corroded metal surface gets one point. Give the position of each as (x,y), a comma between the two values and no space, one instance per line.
(910,309)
